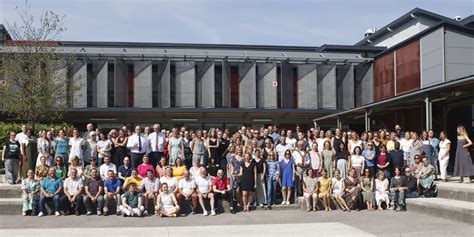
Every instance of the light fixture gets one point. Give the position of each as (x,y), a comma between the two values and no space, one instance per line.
(261,120)
(103,119)
(184,119)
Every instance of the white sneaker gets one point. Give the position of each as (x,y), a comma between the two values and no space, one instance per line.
(213,213)
(24,213)
(57,213)
(205,213)
(287,203)
(40,214)
(99,213)
(145,213)
(283,203)
(88,213)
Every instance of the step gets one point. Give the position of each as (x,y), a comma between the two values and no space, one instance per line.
(2,178)
(456,210)
(456,191)
(10,206)
(10,191)
(302,204)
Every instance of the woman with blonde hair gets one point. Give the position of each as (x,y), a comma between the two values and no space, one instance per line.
(463,163)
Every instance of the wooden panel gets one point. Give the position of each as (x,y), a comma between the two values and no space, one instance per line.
(384,77)
(408,68)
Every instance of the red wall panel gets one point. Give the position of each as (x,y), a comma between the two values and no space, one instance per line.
(408,68)
(384,77)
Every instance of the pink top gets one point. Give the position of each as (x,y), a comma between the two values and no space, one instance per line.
(142,168)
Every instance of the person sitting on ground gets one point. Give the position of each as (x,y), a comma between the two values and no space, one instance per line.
(411,190)
(338,187)
(166,203)
(324,184)
(186,191)
(131,202)
(310,190)
(149,187)
(134,178)
(397,190)
(93,189)
(30,188)
(221,189)
(112,187)
(73,193)
(51,189)
(204,191)
(381,190)
(144,167)
(170,180)
(105,167)
(425,178)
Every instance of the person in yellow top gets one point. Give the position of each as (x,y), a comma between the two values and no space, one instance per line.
(324,184)
(179,169)
(134,178)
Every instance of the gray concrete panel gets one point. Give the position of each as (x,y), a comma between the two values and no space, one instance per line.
(247,85)
(326,86)
(142,84)
(60,73)
(459,55)
(205,90)
(120,83)
(185,84)
(266,92)
(364,84)
(164,84)
(431,58)
(79,78)
(226,92)
(286,85)
(307,86)
(100,67)
(345,86)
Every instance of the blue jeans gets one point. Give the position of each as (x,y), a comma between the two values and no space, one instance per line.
(271,191)
(412,194)
(56,201)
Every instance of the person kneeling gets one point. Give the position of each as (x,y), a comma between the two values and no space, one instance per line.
(131,202)
(166,203)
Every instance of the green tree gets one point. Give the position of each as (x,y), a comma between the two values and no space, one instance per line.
(35,86)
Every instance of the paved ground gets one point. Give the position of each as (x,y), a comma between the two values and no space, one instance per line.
(257,223)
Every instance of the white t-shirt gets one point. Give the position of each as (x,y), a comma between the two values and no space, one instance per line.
(102,145)
(357,161)
(187,186)
(291,141)
(443,146)
(203,184)
(280,150)
(76,149)
(321,142)
(72,185)
(406,144)
(298,156)
(104,168)
(172,182)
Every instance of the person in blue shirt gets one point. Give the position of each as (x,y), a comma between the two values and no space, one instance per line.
(51,189)
(111,191)
(369,155)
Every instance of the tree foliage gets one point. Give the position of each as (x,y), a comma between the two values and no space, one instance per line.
(34,71)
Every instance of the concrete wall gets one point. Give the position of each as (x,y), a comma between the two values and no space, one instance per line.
(266,92)
(431,58)
(326,86)
(185,84)
(164,84)
(364,84)
(345,87)
(205,84)
(247,85)
(120,83)
(100,67)
(142,84)
(307,86)
(226,92)
(459,55)
(286,85)
(79,78)
(60,76)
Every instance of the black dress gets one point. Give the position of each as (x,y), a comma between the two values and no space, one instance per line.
(214,151)
(247,182)
(120,153)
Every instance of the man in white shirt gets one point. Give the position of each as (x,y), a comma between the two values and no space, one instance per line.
(20,137)
(73,193)
(156,144)
(290,139)
(281,148)
(186,191)
(149,187)
(204,191)
(104,168)
(138,145)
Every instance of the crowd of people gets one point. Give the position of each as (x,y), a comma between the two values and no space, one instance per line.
(135,173)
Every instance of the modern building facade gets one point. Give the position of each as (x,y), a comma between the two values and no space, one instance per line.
(421,61)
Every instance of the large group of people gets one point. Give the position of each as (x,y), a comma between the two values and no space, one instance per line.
(137,172)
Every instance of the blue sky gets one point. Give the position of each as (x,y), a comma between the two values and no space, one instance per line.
(277,22)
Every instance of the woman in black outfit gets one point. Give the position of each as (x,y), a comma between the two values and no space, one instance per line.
(248,174)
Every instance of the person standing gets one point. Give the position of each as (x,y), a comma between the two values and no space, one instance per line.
(60,146)
(175,146)
(11,156)
(287,171)
(120,145)
(341,160)
(443,155)
(273,174)
(328,155)
(463,164)
(76,147)
(103,147)
(44,149)
(138,145)
(30,152)
(198,148)
(260,192)
(248,173)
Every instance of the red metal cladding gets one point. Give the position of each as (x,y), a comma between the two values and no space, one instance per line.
(384,77)
(408,68)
